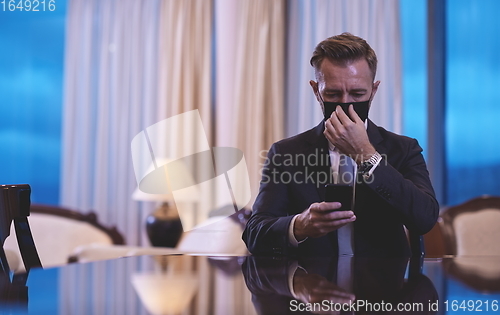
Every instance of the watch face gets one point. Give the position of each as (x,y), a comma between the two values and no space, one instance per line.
(365,167)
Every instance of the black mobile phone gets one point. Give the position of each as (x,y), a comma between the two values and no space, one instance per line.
(340,193)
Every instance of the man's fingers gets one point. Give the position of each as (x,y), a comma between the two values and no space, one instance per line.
(325,206)
(331,220)
(330,132)
(354,115)
(336,297)
(327,225)
(335,121)
(332,290)
(320,219)
(331,298)
(342,116)
(329,208)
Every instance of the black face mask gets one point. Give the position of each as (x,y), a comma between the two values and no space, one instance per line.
(361,108)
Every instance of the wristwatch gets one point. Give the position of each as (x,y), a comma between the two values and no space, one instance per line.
(366,166)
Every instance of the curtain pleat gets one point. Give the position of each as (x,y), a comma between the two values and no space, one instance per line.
(110,96)
(250,116)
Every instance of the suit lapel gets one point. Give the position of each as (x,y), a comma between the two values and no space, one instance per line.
(375,137)
(318,147)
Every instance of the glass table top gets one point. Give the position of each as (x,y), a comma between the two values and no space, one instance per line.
(184,284)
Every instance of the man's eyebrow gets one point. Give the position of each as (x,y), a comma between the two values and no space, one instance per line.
(330,90)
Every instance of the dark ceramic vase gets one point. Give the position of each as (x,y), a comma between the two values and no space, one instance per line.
(164,227)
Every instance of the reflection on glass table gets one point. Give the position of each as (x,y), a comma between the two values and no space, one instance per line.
(186,284)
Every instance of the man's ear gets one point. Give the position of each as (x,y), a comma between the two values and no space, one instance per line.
(374,91)
(375,88)
(314,86)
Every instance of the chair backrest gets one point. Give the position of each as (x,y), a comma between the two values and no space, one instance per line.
(482,273)
(15,207)
(472,227)
(58,231)
(217,235)
(88,218)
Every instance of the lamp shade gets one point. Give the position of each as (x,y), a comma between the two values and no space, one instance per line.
(162,178)
(139,195)
(165,294)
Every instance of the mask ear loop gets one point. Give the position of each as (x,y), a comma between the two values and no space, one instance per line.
(321,99)
(370,100)
(322,104)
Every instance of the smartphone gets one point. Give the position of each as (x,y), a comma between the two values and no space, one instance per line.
(340,193)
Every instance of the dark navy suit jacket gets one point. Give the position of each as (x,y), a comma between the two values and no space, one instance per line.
(398,193)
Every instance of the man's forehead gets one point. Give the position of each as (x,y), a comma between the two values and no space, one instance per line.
(332,73)
(357,68)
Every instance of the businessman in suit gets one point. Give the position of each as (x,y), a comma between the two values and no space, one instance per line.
(391,184)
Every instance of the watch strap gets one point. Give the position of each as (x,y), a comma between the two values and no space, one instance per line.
(367,165)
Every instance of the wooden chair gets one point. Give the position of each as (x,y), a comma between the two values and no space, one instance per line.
(472,227)
(15,207)
(58,232)
(482,273)
(89,218)
(471,234)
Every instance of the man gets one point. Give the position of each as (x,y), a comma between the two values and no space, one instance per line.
(392,183)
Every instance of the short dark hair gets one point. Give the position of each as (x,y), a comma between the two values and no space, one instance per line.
(344,48)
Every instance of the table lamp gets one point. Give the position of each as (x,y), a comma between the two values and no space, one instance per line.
(164,226)
(165,293)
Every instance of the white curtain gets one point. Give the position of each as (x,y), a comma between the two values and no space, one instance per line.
(129,65)
(184,63)
(250,54)
(310,22)
(111,94)
(185,85)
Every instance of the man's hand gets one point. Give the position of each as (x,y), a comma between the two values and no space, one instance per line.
(320,220)
(313,288)
(349,136)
